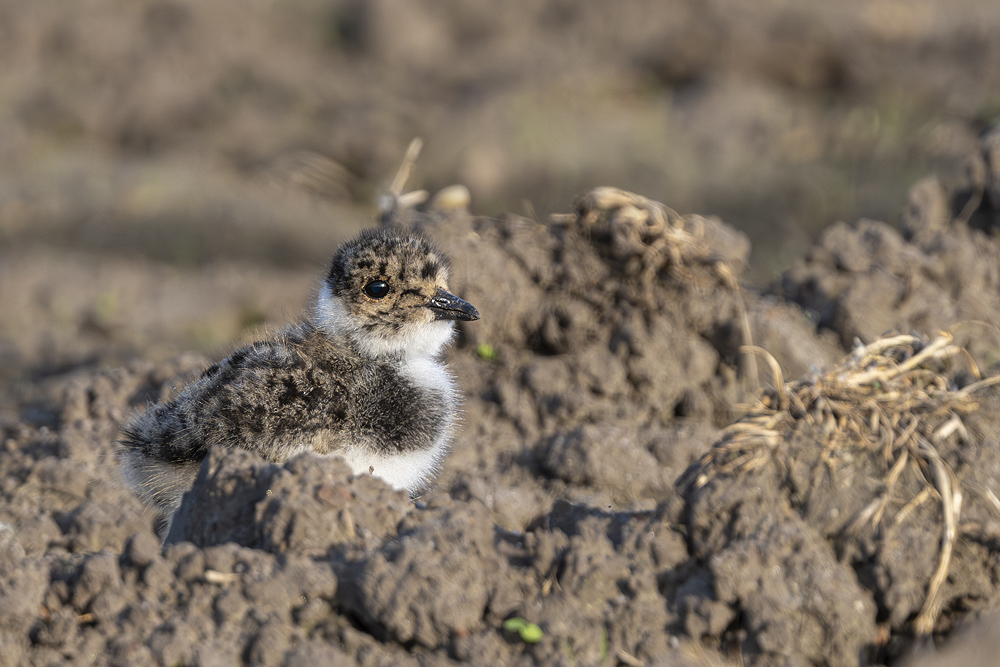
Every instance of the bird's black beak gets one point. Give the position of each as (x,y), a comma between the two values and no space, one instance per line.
(447,306)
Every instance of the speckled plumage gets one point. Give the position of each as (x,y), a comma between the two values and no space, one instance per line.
(358,378)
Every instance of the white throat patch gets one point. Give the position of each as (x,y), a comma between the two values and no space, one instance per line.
(413,341)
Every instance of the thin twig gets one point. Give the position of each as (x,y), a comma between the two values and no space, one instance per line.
(883,374)
(916,501)
(779,378)
(403,173)
(951,505)
(752,376)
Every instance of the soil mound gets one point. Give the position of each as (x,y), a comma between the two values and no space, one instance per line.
(611,350)
(854,509)
(844,514)
(937,270)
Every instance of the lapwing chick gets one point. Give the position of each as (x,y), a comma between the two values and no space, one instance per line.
(360,377)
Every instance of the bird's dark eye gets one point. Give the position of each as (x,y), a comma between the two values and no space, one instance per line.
(377,289)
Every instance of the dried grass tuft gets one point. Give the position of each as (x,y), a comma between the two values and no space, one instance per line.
(648,236)
(897,395)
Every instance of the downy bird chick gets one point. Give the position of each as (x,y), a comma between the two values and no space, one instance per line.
(359,378)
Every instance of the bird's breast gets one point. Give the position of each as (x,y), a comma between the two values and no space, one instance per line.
(404,407)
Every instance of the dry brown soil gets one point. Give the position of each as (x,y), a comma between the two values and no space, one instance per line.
(174,176)
(606,363)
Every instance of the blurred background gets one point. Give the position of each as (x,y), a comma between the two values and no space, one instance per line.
(174,174)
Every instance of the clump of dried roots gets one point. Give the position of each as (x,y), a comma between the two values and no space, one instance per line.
(648,238)
(645,235)
(900,395)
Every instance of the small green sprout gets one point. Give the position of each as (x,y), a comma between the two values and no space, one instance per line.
(486,351)
(526,630)
(106,306)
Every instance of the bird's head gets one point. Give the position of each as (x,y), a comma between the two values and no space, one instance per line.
(389,292)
